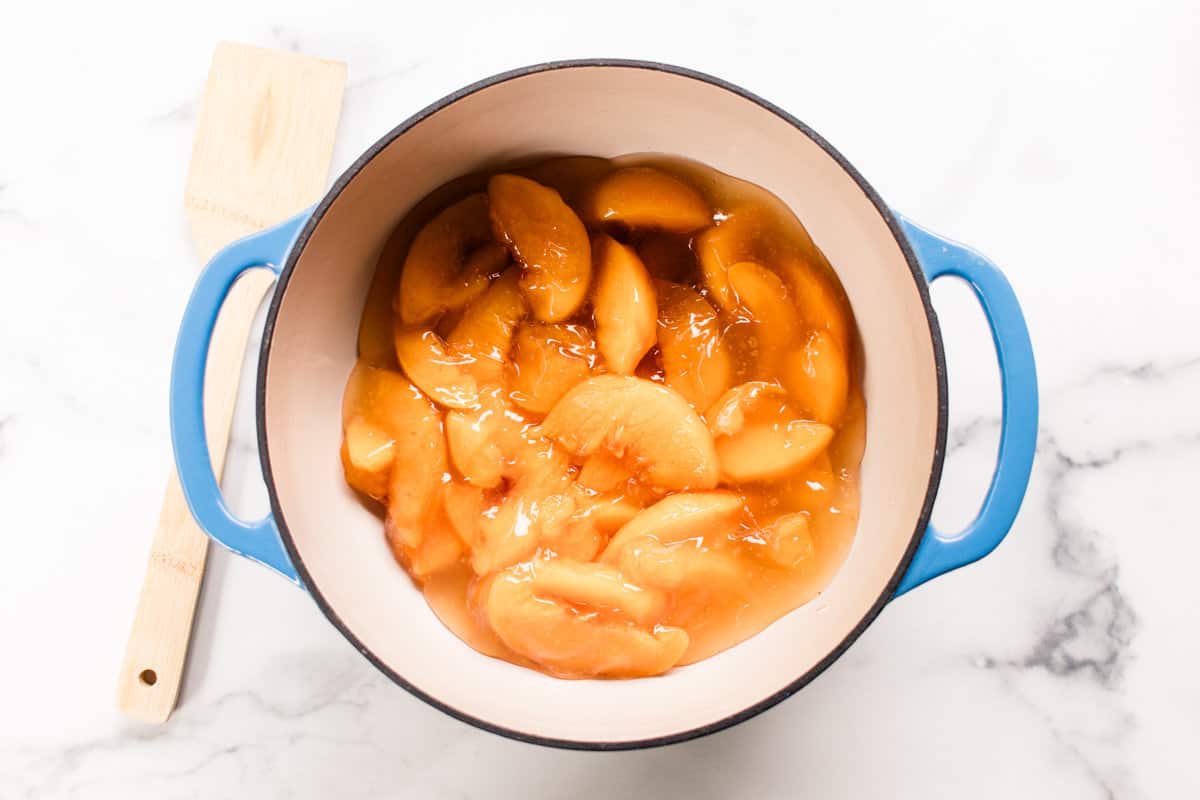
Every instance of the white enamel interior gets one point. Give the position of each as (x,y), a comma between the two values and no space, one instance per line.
(605,111)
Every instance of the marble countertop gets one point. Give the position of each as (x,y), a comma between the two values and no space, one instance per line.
(1060,141)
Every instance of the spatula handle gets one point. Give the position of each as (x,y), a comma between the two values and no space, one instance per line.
(155,654)
(263,144)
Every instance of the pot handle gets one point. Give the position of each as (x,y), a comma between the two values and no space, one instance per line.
(939,552)
(259,540)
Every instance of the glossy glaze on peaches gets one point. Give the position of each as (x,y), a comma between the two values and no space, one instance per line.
(611,412)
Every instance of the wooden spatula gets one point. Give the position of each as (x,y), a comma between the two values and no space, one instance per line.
(263,145)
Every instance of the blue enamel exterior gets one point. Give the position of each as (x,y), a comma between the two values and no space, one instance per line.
(256,540)
(939,552)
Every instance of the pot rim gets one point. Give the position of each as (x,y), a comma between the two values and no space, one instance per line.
(753,710)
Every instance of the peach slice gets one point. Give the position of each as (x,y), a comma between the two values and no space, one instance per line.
(644,197)
(505,536)
(789,539)
(763,294)
(383,414)
(667,257)
(548,359)
(368,452)
(603,472)
(437,370)
(439,549)
(695,360)
(677,517)
(464,506)
(625,305)
(650,428)
(562,641)
(576,539)
(745,234)
(610,513)
(485,329)
(718,249)
(381,396)
(763,451)
(549,241)
(818,378)
(598,586)
(595,520)
(449,262)
(537,504)
(819,303)
(649,563)
(512,531)
(471,435)
(419,467)
(753,400)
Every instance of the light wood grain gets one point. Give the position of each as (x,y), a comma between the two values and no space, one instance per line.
(262,149)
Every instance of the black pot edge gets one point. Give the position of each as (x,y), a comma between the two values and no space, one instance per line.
(939,446)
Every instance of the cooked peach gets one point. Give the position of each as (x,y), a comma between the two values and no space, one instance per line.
(651,428)
(436,369)
(439,549)
(609,513)
(585,533)
(598,586)
(420,464)
(719,248)
(608,412)
(762,294)
(505,536)
(548,359)
(533,461)
(589,528)
(667,257)
(789,540)
(536,504)
(750,401)
(386,417)
(624,305)
(644,197)
(471,435)
(648,562)
(449,262)
(485,329)
(817,378)
(553,635)
(678,517)
(511,533)
(603,472)
(368,452)
(464,505)
(695,361)
(548,240)
(764,451)
(747,233)
(819,303)
(576,539)
(380,396)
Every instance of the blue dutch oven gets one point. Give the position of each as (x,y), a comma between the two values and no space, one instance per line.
(319,536)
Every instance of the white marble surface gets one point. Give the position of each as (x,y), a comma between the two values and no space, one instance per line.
(1061,139)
